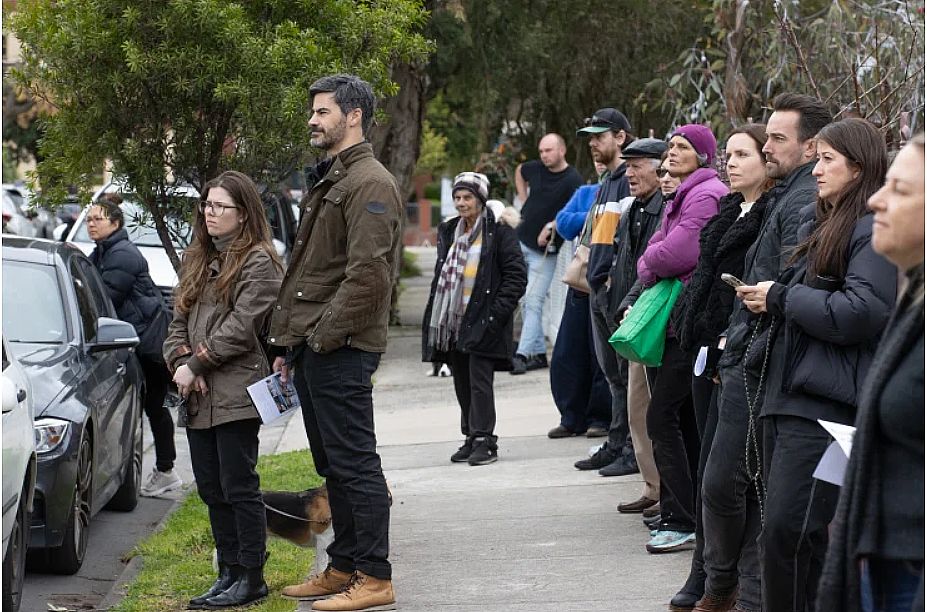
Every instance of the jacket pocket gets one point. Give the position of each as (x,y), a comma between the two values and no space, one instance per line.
(230,382)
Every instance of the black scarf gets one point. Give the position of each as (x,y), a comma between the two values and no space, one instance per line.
(702,311)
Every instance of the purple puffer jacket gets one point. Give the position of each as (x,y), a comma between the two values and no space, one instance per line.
(673,250)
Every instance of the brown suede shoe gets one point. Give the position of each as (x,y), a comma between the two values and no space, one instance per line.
(637,506)
(715,603)
(652,511)
(322,585)
(362,594)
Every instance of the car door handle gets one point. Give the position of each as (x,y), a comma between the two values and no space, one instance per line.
(20,396)
(121,369)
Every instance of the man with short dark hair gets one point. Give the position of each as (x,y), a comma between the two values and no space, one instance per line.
(608,131)
(331,320)
(552,181)
(731,502)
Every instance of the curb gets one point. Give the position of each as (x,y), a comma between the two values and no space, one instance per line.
(134,566)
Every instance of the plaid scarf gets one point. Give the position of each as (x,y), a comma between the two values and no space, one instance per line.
(447,311)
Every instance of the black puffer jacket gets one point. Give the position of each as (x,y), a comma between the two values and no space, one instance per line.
(703,309)
(629,246)
(501,280)
(125,273)
(822,351)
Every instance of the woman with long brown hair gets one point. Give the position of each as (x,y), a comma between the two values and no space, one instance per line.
(228,284)
(828,308)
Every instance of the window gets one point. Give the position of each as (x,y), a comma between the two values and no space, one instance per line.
(85,304)
(33,312)
(100,298)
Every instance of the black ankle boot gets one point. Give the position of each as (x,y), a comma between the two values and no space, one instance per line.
(692,591)
(249,588)
(228,574)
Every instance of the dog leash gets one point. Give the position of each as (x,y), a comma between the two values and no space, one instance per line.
(298,518)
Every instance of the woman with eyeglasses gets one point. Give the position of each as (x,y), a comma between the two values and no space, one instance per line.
(139,302)
(668,182)
(828,308)
(875,560)
(673,252)
(228,285)
(727,511)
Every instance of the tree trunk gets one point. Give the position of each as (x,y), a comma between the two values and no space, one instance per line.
(397,144)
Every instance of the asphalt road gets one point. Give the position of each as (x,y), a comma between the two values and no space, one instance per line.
(113,535)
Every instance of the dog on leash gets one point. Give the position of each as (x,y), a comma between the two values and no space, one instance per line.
(303,518)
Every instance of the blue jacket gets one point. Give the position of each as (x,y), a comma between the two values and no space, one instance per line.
(572,217)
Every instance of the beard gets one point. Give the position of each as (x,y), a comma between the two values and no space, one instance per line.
(604,157)
(327,139)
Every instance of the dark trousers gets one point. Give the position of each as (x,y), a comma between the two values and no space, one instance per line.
(705,403)
(157,381)
(730,500)
(336,394)
(224,458)
(616,373)
(473,378)
(672,429)
(798,508)
(577,383)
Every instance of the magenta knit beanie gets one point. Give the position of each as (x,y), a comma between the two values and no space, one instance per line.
(701,138)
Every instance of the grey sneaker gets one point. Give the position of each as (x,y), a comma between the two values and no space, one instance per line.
(159,483)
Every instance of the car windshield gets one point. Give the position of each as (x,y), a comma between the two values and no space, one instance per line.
(141,228)
(32,308)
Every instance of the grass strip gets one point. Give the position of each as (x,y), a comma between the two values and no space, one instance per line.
(178,559)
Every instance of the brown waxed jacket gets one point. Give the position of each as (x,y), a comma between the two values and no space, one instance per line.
(221,343)
(336,291)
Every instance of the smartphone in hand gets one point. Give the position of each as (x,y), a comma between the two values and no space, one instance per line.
(732,280)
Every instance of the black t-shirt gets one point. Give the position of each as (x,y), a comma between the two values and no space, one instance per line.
(550,191)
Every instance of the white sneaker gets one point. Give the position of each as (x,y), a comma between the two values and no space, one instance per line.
(160,482)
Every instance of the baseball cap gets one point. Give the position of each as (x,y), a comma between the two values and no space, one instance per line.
(603,120)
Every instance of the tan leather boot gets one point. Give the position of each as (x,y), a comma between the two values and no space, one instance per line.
(322,585)
(363,594)
(716,603)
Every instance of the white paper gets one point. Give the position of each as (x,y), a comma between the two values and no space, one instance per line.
(272,398)
(833,465)
(843,434)
(701,361)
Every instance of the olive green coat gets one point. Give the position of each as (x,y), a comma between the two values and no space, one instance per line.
(221,342)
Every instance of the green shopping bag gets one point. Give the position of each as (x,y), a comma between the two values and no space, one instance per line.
(642,336)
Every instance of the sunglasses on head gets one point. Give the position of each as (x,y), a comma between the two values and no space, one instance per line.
(596,121)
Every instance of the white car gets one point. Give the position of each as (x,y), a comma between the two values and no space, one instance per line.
(19,469)
(14,220)
(142,234)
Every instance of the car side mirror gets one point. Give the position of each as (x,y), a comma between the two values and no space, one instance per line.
(10,397)
(112,335)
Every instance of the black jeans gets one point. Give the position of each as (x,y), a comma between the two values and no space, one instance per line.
(616,373)
(224,458)
(705,402)
(798,508)
(157,382)
(730,501)
(580,391)
(336,394)
(672,428)
(473,378)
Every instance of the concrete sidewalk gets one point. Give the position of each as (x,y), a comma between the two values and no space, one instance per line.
(529,533)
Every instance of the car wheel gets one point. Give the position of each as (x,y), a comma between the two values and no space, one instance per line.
(126,497)
(14,564)
(67,558)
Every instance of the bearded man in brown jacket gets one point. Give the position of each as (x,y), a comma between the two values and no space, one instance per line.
(330,322)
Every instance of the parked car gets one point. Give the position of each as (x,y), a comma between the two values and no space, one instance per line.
(19,465)
(142,232)
(14,220)
(87,394)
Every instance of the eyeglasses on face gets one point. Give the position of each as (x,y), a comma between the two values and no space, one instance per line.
(96,219)
(217,208)
(661,172)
